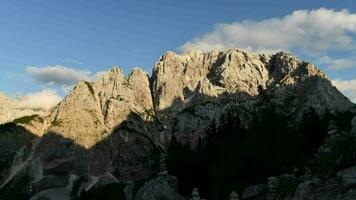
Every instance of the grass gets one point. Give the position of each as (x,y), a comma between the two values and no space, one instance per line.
(27,119)
(90,87)
(57,122)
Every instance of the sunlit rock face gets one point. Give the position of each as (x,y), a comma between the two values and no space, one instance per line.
(119,96)
(93,109)
(176,78)
(122,124)
(186,93)
(190,91)
(103,123)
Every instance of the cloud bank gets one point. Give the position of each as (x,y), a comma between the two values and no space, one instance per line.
(312,32)
(346,86)
(57,74)
(340,63)
(318,35)
(42,100)
(62,76)
(27,104)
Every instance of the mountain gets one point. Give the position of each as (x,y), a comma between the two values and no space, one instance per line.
(117,130)
(204,84)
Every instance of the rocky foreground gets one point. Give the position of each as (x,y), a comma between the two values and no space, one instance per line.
(117,129)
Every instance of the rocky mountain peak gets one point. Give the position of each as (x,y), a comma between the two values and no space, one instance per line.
(287,69)
(175,77)
(121,125)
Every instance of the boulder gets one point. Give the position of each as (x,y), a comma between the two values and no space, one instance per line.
(305,190)
(51,181)
(234,196)
(254,192)
(59,166)
(162,187)
(129,190)
(348,177)
(52,194)
(106,179)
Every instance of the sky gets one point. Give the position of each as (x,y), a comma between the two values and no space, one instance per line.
(47,46)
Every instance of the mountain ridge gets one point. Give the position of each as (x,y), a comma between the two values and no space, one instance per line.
(112,123)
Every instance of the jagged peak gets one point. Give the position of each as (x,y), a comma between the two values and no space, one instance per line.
(137,71)
(116,70)
(205,87)
(82,86)
(198,53)
(116,73)
(286,56)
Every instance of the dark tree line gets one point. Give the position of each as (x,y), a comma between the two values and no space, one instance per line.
(232,158)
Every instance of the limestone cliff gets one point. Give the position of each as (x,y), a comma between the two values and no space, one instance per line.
(190,91)
(121,125)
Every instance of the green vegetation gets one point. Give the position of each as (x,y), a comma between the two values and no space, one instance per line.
(126,83)
(189,109)
(271,146)
(338,152)
(27,119)
(149,112)
(114,191)
(287,186)
(90,87)
(57,122)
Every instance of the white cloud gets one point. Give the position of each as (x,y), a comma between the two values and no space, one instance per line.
(26,104)
(99,74)
(336,64)
(312,32)
(65,77)
(348,87)
(42,100)
(58,74)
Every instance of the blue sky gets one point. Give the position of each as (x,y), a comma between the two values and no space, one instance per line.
(84,37)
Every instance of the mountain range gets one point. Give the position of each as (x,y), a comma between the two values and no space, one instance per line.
(136,137)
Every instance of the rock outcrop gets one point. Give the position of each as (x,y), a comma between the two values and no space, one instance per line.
(176,78)
(162,187)
(353,125)
(119,126)
(255,192)
(191,91)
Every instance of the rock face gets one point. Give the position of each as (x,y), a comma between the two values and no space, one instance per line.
(353,124)
(118,96)
(176,78)
(121,125)
(92,112)
(254,192)
(162,187)
(13,140)
(348,177)
(190,91)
